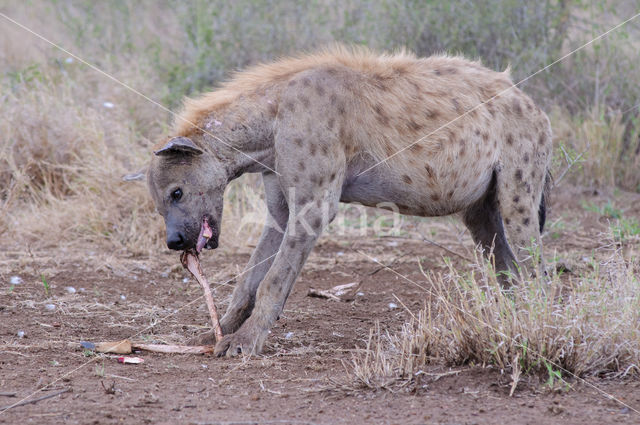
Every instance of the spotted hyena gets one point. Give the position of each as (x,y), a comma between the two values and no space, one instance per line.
(340,126)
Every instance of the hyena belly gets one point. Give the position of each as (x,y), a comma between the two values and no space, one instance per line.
(436,182)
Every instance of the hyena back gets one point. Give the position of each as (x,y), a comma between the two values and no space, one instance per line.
(340,126)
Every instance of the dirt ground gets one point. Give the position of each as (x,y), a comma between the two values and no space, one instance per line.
(303,376)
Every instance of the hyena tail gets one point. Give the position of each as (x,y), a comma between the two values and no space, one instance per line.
(542,210)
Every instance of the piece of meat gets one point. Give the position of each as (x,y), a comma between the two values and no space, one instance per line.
(191,262)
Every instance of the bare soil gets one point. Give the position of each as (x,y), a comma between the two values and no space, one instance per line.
(303,376)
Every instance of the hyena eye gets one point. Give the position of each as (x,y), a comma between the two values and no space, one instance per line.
(176,194)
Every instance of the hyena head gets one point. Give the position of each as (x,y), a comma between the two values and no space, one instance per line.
(187,185)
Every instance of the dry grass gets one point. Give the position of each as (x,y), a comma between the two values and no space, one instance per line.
(556,328)
(606,146)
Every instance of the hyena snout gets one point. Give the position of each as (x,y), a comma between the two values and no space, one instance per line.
(183,235)
(176,240)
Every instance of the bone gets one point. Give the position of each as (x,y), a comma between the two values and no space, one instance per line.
(126,347)
(191,262)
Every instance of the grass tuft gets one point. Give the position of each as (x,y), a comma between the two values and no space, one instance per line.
(554,327)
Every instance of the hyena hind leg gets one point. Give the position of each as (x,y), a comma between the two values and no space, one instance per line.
(484,221)
(522,207)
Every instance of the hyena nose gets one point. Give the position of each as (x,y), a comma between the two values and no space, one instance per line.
(175,240)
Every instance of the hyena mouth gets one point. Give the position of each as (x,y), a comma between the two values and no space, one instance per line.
(206,233)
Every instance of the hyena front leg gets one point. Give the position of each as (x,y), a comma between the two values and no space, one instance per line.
(310,211)
(244,294)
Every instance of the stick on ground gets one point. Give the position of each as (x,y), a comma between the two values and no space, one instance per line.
(35,400)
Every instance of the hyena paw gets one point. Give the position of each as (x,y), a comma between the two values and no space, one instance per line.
(248,340)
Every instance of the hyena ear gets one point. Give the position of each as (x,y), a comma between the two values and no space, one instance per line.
(179,145)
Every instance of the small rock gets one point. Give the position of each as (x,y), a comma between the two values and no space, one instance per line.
(289,335)
(16,280)
(340,253)
(164,274)
(122,297)
(392,243)
(204,366)
(50,307)
(360,294)
(70,289)
(108,105)
(68,60)
(393,306)
(20,334)
(185,280)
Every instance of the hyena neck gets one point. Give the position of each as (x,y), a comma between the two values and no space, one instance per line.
(243,139)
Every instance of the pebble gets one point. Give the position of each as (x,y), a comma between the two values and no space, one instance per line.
(360,294)
(122,297)
(108,105)
(289,335)
(70,289)
(69,60)
(392,243)
(50,307)
(16,280)
(393,306)
(20,334)
(185,280)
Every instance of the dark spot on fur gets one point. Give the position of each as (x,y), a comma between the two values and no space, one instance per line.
(292,243)
(341,108)
(485,137)
(290,106)
(517,108)
(510,139)
(306,82)
(516,199)
(518,175)
(320,90)
(507,220)
(430,172)
(382,116)
(333,176)
(477,131)
(325,150)
(296,179)
(273,110)
(450,194)
(305,101)
(292,83)
(525,158)
(416,148)
(301,166)
(435,197)
(520,210)
(432,115)
(542,139)
(312,149)
(526,221)
(456,105)
(407,179)
(333,98)
(414,126)
(298,141)
(437,72)
(317,223)
(331,123)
